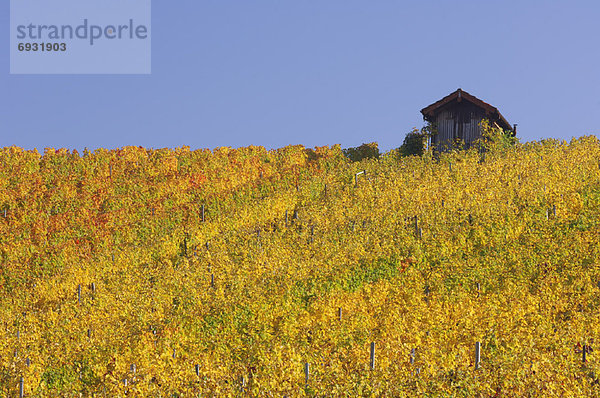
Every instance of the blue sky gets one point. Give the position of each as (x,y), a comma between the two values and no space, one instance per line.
(276,73)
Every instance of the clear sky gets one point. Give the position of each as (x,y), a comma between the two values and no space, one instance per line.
(281,72)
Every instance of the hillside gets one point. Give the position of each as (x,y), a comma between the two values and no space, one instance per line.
(138,272)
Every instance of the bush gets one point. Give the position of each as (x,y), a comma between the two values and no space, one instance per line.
(365,151)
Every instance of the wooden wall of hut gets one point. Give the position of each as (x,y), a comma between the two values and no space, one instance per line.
(459,121)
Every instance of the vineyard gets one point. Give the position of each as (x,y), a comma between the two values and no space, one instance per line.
(296,272)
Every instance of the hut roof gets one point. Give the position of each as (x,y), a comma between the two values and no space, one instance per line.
(493,113)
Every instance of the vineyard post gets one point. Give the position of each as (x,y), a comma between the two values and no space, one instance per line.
(477,354)
(372,355)
(4,213)
(306,373)
(325,189)
(174,353)
(478,289)
(21,386)
(356,177)
(132,368)
(89,333)
(554,210)
(340,314)
(583,354)
(27,362)
(79,293)
(412,356)
(450,167)
(417,226)
(197,369)
(202,213)
(286,218)
(18,334)
(212,280)
(110,170)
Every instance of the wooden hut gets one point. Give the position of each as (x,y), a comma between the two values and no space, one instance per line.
(457,116)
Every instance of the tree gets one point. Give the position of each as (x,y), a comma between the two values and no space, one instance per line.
(493,138)
(415,142)
(365,151)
